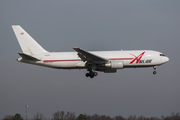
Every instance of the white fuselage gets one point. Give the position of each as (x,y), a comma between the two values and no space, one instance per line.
(70,60)
(104,61)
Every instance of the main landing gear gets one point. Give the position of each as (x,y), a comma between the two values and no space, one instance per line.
(91,74)
(154,72)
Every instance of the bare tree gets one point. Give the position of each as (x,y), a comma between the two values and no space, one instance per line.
(71,116)
(7,117)
(87,117)
(175,116)
(56,116)
(38,116)
(119,118)
(15,117)
(64,115)
(95,117)
(131,117)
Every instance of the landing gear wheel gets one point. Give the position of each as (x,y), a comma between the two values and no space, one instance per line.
(91,74)
(154,72)
(87,74)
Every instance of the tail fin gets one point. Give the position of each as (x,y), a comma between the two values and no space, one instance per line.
(28,44)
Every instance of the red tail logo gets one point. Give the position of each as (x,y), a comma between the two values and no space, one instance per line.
(137,58)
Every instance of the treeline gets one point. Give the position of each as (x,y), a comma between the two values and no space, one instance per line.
(61,115)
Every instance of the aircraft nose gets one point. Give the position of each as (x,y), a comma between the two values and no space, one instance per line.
(165,59)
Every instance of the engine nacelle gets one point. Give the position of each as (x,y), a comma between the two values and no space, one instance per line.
(115,64)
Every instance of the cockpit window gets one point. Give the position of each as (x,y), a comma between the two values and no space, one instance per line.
(162,55)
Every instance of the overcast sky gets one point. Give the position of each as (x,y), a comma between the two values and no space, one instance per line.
(59,25)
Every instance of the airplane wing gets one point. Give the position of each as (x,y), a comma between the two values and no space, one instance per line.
(28,57)
(87,56)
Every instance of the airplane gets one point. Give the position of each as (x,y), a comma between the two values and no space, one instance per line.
(93,61)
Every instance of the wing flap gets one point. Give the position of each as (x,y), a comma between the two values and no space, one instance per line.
(87,56)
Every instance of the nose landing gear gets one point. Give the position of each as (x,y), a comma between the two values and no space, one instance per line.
(91,74)
(154,72)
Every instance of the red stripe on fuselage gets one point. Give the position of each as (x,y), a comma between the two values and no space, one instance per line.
(120,58)
(81,60)
(61,60)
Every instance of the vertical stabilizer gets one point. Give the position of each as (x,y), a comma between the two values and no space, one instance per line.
(28,44)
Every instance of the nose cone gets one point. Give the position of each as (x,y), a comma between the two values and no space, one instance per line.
(165,59)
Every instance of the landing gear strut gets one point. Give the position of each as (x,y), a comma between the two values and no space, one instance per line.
(154,72)
(91,74)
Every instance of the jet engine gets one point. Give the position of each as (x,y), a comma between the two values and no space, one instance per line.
(115,64)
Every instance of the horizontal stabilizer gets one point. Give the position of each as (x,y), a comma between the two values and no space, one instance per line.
(28,57)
